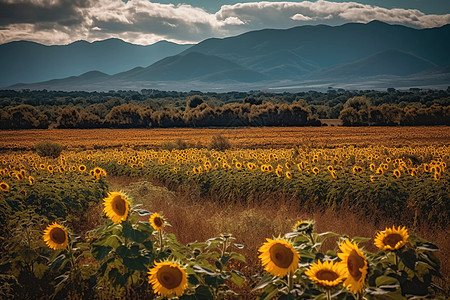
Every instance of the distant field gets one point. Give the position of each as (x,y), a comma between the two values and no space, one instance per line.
(265,137)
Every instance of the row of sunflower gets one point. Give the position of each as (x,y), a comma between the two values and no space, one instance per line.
(390,181)
(138,255)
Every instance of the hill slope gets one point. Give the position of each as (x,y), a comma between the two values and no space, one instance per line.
(31,62)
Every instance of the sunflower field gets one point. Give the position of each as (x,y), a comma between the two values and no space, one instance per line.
(48,250)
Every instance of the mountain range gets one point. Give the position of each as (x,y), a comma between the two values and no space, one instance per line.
(354,55)
(29,62)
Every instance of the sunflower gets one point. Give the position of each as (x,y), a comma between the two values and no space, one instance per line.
(437,176)
(116,207)
(279,172)
(4,186)
(330,168)
(168,278)
(157,221)
(288,175)
(397,173)
(82,168)
(55,236)
(327,274)
(31,180)
(391,238)
(278,257)
(355,263)
(306,226)
(315,170)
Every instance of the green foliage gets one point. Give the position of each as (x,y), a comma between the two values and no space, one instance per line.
(49,149)
(401,274)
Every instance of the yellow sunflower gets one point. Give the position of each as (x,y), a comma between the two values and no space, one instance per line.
(327,274)
(82,168)
(397,173)
(168,278)
(31,180)
(355,264)
(4,186)
(391,238)
(116,207)
(55,236)
(288,175)
(278,257)
(315,170)
(157,221)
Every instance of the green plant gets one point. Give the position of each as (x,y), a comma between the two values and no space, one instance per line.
(402,273)
(48,148)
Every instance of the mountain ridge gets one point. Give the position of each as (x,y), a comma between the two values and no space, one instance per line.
(27,61)
(370,55)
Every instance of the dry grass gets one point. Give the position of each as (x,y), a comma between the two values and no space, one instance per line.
(195,219)
(251,137)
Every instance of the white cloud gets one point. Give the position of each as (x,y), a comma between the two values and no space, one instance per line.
(300,17)
(145,22)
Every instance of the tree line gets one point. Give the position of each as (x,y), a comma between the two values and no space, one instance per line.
(130,115)
(152,108)
(359,111)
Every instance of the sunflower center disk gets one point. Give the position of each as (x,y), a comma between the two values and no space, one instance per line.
(169,277)
(354,264)
(158,222)
(58,235)
(118,205)
(327,275)
(392,239)
(281,256)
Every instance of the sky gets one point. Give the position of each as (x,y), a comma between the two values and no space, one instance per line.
(58,22)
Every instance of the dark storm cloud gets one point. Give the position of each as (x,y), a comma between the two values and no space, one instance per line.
(64,12)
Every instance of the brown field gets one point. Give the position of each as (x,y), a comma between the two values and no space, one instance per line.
(265,137)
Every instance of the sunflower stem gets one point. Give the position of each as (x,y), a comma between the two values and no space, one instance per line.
(290,282)
(224,248)
(312,239)
(328,294)
(160,241)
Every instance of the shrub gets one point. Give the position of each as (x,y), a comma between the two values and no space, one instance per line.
(220,143)
(48,148)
